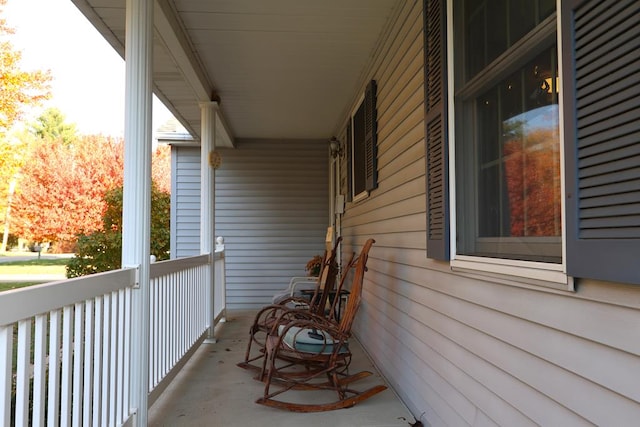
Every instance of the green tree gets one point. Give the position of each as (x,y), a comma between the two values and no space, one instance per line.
(19,89)
(102,250)
(51,126)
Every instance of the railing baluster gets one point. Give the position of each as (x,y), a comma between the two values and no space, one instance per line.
(22,376)
(88,363)
(153,351)
(121,356)
(106,352)
(53,394)
(179,323)
(127,349)
(39,370)
(97,362)
(172,325)
(113,358)
(164,334)
(78,332)
(6,373)
(67,356)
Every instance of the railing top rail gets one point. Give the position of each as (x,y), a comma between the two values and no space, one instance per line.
(162,268)
(22,303)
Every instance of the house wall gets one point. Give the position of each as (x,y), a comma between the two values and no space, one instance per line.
(464,349)
(272,208)
(185,196)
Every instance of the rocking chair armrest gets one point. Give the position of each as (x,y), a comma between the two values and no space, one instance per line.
(275,314)
(271,311)
(286,315)
(304,320)
(281,306)
(294,300)
(301,280)
(292,315)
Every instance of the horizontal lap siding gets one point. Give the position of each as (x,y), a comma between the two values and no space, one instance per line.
(272,210)
(463,350)
(185,196)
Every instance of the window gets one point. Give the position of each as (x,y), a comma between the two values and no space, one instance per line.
(506,144)
(362,145)
(508,194)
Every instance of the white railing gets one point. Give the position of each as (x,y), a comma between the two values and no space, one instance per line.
(65,346)
(180,314)
(82,375)
(220,287)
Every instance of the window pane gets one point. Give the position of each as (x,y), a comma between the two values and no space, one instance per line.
(522,18)
(489,218)
(359,177)
(497,41)
(517,167)
(546,8)
(491,27)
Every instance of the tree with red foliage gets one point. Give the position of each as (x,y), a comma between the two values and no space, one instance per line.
(63,184)
(532,174)
(62,188)
(161,168)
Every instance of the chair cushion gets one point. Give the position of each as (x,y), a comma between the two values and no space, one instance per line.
(302,340)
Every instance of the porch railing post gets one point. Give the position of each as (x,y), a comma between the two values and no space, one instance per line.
(208,112)
(136,217)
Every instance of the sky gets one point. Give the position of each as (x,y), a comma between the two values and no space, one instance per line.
(88,74)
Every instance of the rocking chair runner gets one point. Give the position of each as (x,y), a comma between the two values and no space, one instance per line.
(302,349)
(268,316)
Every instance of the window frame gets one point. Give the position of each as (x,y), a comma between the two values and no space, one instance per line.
(360,195)
(511,271)
(367,169)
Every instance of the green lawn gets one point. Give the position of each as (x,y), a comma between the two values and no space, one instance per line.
(37,262)
(32,267)
(7,286)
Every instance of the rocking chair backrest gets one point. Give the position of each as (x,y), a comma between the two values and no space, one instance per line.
(346,268)
(326,281)
(353,302)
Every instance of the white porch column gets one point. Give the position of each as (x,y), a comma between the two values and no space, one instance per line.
(208,111)
(136,216)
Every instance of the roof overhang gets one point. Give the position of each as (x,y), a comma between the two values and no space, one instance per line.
(280,69)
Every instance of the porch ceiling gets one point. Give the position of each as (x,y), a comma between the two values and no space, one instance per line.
(282,68)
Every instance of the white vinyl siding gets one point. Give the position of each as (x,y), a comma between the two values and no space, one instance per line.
(458,348)
(272,208)
(185,200)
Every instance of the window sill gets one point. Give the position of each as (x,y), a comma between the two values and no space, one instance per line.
(360,196)
(515,272)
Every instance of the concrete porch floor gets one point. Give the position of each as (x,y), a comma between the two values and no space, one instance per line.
(212,391)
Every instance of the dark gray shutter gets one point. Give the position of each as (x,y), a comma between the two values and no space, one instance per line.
(349,161)
(371,137)
(601,88)
(436,151)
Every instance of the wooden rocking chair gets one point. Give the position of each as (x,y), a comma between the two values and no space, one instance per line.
(310,352)
(269,315)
